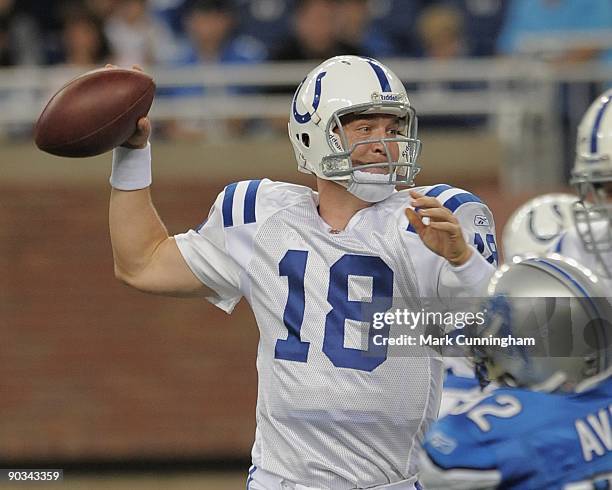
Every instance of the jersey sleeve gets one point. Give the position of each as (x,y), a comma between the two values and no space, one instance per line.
(206,253)
(475,217)
(220,250)
(478,228)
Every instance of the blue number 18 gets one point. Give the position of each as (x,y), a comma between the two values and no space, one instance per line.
(293,265)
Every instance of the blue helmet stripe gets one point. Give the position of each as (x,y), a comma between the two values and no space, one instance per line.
(584,293)
(249,201)
(228,204)
(597,124)
(385,86)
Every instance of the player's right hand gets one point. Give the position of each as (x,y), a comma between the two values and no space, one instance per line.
(140,137)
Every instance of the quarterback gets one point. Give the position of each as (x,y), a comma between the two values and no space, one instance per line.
(332,412)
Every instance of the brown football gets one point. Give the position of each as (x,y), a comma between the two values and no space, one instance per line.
(94,113)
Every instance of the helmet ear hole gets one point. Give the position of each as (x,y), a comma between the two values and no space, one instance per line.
(306,140)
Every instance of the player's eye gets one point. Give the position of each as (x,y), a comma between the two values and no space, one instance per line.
(393,131)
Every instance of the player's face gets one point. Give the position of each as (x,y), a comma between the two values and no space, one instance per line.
(373,127)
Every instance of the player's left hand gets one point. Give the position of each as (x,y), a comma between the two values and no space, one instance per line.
(443,234)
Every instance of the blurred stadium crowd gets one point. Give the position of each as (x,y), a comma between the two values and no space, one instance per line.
(179,32)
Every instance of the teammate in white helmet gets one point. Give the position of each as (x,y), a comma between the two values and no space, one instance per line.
(332,412)
(590,241)
(537,225)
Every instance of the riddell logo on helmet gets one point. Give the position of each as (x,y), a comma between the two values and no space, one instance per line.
(335,141)
(387,97)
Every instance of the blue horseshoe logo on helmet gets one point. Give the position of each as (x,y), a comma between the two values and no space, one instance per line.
(304,118)
(551,236)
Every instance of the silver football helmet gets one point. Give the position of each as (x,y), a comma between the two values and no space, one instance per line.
(592,179)
(559,304)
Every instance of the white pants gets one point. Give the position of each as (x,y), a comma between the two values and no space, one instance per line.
(263,480)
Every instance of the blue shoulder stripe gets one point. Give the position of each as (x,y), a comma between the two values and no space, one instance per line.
(435,191)
(249,201)
(459,199)
(228,204)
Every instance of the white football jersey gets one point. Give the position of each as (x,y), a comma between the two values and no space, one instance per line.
(331,414)
(570,245)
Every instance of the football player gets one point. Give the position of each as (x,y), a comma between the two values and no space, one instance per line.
(536,226)
(590,241)
(333,411)
(549,427)
(533,228)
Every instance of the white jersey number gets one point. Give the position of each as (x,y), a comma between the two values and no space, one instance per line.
(508,407)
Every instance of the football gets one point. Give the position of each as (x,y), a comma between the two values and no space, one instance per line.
(94,113)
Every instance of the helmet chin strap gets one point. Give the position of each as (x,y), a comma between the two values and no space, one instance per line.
(371,192)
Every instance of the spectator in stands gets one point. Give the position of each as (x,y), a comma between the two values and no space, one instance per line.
(266,20)
(20,41)
(135,36)
(571,25)
(314,34)
(396,20)
(101,9)
(211,28)
(441,32)
(483,21)
(354,28)
(169,12)
(83,40)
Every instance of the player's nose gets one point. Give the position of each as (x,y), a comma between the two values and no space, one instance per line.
(378,149)
(378,146)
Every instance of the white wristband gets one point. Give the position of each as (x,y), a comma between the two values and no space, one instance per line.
(131,168)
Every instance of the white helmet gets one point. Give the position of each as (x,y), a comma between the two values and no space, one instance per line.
(534,226)
(592,171)
(343,85)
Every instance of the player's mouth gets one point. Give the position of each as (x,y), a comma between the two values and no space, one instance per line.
(372,170)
